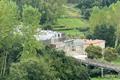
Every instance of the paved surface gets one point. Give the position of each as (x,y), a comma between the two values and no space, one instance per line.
(101,64)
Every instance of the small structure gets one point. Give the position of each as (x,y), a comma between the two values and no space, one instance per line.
(82,44)
(49,37)
(100,43)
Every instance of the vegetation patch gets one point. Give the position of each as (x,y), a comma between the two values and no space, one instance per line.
(73,33)
(71,22)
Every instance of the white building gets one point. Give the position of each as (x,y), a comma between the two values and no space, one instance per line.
(48,36)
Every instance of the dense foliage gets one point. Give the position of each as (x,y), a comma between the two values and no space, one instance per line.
(48,64)
(49,9)
(105,32)
(110,54)
(107,16)
(94,52)
(87,5)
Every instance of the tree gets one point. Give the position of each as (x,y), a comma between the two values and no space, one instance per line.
(108,2)
(94,52)
(28,28)
(115,11)
(44,66)
(86,6)
(50,9)
(34,69)
(8,20)
(13,44)
(110,54)
(105,32)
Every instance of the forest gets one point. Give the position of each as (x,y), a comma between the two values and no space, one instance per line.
(22,57)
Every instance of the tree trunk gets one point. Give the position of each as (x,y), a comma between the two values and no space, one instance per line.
(116,42)
(3,69)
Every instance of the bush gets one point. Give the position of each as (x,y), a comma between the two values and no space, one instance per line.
(47,27)
(94,52)
(83,29)
(118,49)
(110,54)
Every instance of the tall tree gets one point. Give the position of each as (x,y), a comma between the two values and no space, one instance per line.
(16,37)
(86,6)
(50,9)
(105,32)
(8,20)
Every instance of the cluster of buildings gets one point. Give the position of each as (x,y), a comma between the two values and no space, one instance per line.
(72,47)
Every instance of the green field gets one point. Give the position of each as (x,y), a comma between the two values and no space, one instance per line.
(71,11)
(71,22)
(73,33)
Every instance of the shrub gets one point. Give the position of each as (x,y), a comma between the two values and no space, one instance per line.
(118,49)
(94,52)
(110,54)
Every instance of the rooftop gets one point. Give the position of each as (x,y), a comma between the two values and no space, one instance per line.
(46,34)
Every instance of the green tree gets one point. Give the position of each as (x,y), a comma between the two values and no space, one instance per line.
(44,66)
(86,6)
(105,32)
(28,28)
(34,69)
(110,54)
(16,37)
(107,2)
(94,52)
(8,20)
(115,11)
(50,9)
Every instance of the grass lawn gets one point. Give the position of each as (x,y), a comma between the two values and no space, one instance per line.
(117,61)
(74,33)
(106,78)
(71,22)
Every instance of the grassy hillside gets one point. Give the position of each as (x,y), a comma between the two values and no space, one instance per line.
(71,22)
(71,11)
(73,33)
